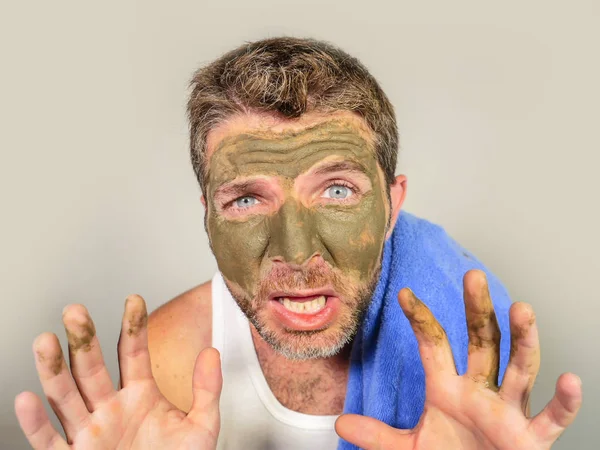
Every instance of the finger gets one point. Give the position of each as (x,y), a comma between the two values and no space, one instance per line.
(134,358)
(207,382)
(524,363)
(58,385)
(35,423)
(434,347)
(560,412)
(483,329)
(85,356)
(371,434)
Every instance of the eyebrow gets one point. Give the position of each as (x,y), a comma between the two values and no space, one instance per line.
(235,187)
(340,166)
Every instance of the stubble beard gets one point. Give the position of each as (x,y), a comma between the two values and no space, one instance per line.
(313,344)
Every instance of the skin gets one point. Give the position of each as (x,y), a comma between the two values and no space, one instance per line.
(80,338)
(137,319)
(463,412)
(55,365)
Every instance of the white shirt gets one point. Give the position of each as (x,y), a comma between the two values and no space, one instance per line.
(251,417)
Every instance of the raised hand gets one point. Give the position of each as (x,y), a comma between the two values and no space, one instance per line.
(471,411)
(96,416)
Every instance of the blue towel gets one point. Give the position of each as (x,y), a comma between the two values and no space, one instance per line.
(386,379)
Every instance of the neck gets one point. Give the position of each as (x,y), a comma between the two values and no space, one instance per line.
(314,386)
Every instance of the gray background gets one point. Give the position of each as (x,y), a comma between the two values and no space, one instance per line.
(498,106)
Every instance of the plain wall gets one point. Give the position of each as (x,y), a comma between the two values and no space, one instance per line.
(498,105)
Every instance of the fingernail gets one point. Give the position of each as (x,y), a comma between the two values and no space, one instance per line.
(128,301)
(413,299)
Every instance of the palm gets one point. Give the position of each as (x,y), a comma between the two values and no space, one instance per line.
(155,424)
(96,416)
(471,411)
(461,413)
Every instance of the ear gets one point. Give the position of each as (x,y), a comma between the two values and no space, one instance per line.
(203,200)
(397,196)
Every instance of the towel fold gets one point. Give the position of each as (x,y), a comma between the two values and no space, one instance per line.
(386,379)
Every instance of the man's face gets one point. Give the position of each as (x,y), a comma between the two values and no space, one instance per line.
(297,216)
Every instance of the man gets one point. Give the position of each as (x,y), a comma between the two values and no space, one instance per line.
(294,145)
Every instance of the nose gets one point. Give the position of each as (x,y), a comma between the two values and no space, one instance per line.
(294,239)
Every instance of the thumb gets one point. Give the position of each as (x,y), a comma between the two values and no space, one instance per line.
(371,434)
(207,382)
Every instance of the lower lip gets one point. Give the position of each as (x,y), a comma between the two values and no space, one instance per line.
(306,322)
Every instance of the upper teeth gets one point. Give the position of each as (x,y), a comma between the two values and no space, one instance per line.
(311,307)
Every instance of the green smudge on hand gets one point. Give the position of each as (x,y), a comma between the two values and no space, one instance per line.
(81,339)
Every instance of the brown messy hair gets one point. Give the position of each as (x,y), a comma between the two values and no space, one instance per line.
(288,76)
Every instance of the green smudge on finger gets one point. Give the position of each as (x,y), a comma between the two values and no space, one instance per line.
(82,338)
(53,362)
(137,322)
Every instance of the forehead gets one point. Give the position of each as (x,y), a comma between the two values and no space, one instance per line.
(255,144)
(268,125)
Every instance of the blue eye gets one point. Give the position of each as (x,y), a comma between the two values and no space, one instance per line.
(246,202)
(337,191)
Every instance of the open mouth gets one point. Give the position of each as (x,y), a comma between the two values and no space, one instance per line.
(305,310)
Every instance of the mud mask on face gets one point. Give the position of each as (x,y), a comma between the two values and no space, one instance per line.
(349,236)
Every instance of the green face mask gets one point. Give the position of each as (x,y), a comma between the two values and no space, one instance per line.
(293,184)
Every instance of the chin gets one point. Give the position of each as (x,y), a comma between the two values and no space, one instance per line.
(304,345)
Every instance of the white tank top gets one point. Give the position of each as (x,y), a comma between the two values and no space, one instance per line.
(251,417)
